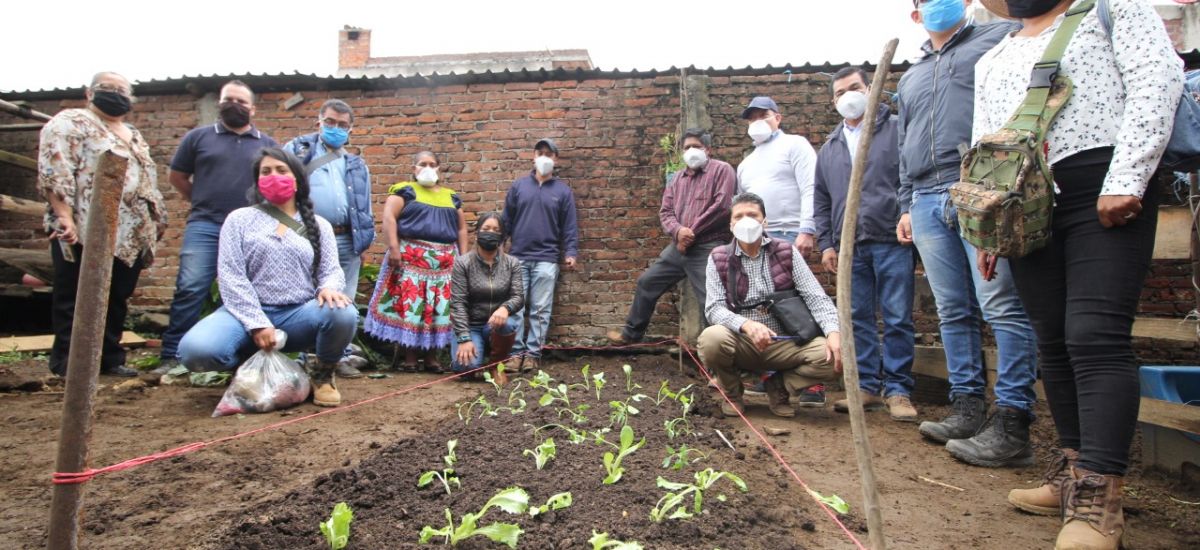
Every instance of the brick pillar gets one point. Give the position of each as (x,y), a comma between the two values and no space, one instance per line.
(354,48)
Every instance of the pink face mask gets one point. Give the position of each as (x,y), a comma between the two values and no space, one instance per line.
(276,188)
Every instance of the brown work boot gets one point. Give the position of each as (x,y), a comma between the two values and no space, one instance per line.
(1092,516)
(617,338)
(734,409)
(870,403)
(778,398)
(901,408)
(325,392)
(1046,499)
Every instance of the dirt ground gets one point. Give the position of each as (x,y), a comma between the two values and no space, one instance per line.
(201,500)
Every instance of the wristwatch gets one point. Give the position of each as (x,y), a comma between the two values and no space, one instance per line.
(464,338)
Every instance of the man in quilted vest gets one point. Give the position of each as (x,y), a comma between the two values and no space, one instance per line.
(744,335)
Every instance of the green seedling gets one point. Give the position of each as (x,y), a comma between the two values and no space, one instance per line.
(554,394)
(484,405)
(587,382)
(516,400)
(621,411)
(673,506)
(678,458)
(575,437)
(513,500)
(629,385)
(576,414)
(556,502)
(612,463)
(664,393)
(685,402)
(600,541)
(487,376)
(541,380)
(337,528)
(832,501)
(677,427)
(542,453)
(445,475)
(598,383)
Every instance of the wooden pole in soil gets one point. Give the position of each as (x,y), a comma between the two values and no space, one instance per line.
(858,424)
(87,340)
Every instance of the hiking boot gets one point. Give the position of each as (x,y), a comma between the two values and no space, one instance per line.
(119,370)
(1092,515)
(901,409)
(1002,441)
(966,416)
(348,367)
(870,403)
(617,338)
(1046,500)
(325,392)
(778,399)
(530,363)
(165,366)
(734,409)
(812,397)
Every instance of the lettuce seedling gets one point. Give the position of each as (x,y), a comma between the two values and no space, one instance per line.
(622,410)
(612,463)
(556,502)
(678,458)
(587,382)
(513,500)
(599,541)
(541,380)
(677,427)
(629,385)
(542,453)
(576,414)
(672,506)
(487,377)
(598,383)
(337,528)
(445,475)
(555,393)
(575,437)
(485,407)
(832,501)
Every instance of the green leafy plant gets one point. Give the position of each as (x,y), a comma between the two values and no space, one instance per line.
(555,502)
(670,148)
(542,453)
(485,408)
(587,382)
(554,394)
(577,414)
(677,427)
(600,541)
(487,377)
(678,458)
(832,501)
(629,385)
(665,393)
(445,475)
(612,462)
(621,411)
(575,437)
(598,383)
(513,500)
(672,505)
(337,528)
(541,380)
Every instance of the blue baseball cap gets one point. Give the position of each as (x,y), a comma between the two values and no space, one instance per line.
(760,102)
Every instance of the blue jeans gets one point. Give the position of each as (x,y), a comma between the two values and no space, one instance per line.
(540,278)
(197,271)
(481,336)
(789,236)
(960,293)
(220,342)
(883,278)
(351,264)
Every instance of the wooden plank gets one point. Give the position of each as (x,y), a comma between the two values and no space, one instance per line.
(23,127)
(23,111)
(1180,330)
(31,344)
(1170,415)
(34,262)
(18,160)
(1173,240)
(21,206)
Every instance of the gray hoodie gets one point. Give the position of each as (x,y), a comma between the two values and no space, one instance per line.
(936,99)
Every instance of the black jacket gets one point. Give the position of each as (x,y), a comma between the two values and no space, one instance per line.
(879,211)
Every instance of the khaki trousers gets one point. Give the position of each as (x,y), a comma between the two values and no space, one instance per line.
(727,353)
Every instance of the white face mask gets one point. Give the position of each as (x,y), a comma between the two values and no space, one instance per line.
(759,131)
(695,158)
(427,176)
(544,165)
(852,105)
(748,230)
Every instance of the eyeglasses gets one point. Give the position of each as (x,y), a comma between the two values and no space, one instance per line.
(115,89)
(338,123)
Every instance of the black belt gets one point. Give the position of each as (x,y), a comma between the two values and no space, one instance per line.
(341,229)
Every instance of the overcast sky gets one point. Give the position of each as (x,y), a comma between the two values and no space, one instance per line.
(62,46)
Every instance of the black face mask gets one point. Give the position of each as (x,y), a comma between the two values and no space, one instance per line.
(111,103)
(488,240)
(1030,8)
(235,115)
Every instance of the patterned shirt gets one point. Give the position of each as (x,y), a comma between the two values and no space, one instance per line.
(256,266)
(758,273)
(68,155)
(1125,100)
(699,200)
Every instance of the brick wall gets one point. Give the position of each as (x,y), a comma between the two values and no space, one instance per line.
(607,127)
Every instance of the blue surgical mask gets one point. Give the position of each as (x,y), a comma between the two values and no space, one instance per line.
(333,136)
(942,15)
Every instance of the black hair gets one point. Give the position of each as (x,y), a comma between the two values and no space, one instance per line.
(303,202)
(485,216)
(338,106)
(417,157)
(698,133)
(750,198)
(240,84)
(849,71)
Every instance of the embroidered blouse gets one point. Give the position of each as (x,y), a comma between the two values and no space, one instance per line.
(429,214)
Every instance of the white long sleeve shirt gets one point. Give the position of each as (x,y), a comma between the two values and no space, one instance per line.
(781,170)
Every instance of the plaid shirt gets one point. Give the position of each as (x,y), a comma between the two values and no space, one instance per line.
(758,272)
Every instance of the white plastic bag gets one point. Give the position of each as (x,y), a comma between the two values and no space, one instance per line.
(267,381)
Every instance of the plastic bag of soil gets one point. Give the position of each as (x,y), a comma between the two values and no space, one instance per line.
(267,381)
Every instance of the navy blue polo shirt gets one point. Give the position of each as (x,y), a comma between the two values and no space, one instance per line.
(222,167)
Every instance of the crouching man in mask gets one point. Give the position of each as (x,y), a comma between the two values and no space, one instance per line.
(744,333)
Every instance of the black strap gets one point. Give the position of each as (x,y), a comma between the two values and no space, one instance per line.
(322,161)
(285,219)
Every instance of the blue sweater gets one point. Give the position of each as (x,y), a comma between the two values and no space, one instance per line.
(541,220)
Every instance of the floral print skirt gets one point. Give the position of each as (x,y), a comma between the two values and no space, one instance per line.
(411,304)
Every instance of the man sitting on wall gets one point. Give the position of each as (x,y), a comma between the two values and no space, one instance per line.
(744,333)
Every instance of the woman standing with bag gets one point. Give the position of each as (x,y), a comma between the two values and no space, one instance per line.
(425,229)
(1103,148)
(277,267)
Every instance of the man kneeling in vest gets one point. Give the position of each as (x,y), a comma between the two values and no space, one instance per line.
(744,335)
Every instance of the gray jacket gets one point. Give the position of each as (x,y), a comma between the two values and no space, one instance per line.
(936,99)
(477,290)
(878,211)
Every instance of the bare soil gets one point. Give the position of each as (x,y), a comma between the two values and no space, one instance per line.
(272,489)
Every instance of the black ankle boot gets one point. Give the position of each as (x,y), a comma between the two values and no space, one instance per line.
(966,416)
(1003,441)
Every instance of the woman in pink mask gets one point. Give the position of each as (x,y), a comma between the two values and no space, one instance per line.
(277,267)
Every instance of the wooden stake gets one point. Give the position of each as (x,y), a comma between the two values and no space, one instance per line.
(858,424)
(24,112)
(87,340)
